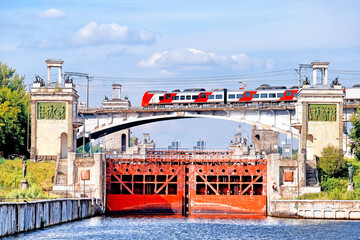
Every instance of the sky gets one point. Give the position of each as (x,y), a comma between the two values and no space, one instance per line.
(165,45)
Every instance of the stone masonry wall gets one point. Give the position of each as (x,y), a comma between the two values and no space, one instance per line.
(322,209)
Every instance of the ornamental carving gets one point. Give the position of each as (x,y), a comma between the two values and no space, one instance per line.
(322,112)
(84,162)
(51,110)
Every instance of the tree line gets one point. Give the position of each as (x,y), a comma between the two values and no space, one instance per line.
(14,102)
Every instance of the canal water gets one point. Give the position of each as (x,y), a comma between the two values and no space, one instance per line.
(197,228)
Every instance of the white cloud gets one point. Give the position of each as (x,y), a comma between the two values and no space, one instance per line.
(52,13)
(94,33)
(270,64)
(194,59)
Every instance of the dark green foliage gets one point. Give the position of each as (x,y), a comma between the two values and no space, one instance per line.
(332,162)
(14,102)
(332,183)
(355,136)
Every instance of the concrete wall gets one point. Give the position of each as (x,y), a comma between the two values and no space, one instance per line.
(323,209)
(26,216)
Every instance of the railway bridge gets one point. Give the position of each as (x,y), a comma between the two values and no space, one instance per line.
(58,127)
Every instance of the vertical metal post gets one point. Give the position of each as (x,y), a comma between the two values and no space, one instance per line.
(87,92)
(90,144)
(84,187)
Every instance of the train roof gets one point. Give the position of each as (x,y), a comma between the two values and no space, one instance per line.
(267,86)
(156,91)
(195,90)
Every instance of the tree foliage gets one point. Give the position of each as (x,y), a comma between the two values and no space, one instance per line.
(332,162)
(14,102)
(355,136)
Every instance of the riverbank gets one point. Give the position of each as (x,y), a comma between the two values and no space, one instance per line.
(27,216)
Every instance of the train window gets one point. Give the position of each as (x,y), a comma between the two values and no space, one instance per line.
(175,97)
(288,93)
(211,97)
(167,96)
(182,97)
(218,96)
(188,97)
(296,94)
(202,95)
(256,95)
(231,96)
(194,97)
(239,95)
(280,95)
(272,95)
(161,98)
(247,94)
(263,95)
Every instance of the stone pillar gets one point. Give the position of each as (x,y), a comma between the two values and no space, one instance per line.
(48,74)
(71,173)
(273,177)
(99,180)
(301,159)
(33,130)
(59,77)
(341,125)
(70,127)
(326,76)
(314,76)
(304,131)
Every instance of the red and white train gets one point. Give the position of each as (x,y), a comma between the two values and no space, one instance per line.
(263,94)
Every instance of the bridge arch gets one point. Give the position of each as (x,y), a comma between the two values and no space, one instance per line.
(128,122)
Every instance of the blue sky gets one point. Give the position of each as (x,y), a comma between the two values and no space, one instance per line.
(134,42)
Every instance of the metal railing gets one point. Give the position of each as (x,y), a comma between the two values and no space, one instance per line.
(84,155)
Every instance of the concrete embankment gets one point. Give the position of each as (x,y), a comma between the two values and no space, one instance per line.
(26,216)
(319,209)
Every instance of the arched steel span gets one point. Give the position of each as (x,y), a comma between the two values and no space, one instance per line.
(99,124)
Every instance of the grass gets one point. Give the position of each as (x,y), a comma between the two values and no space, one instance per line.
(336,188)
(39,176)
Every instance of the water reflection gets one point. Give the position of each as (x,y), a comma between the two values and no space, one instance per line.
(172,227)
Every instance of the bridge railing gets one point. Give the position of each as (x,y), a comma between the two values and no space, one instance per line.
(196,107)
(185,158)
(84,155)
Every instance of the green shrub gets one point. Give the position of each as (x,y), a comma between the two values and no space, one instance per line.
(332,162)
(32,192)
(332,183)
(336,194)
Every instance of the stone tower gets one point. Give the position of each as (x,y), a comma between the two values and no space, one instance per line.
(53,116)
(319,111)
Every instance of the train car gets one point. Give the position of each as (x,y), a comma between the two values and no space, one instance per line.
(352,94)
(263,94)
(199,96)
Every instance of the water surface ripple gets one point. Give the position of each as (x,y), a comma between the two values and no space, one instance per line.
(197,228)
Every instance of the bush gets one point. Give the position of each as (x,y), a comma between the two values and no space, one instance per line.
(332,162)
(33,192)
(332,183)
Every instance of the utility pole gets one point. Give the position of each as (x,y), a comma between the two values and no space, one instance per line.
(85,75)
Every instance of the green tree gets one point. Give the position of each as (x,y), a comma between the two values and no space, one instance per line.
(355,135)
(14,102)
(332,162)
